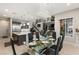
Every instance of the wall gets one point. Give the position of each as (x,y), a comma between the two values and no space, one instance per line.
(16,26)
(4,27)
(69,14)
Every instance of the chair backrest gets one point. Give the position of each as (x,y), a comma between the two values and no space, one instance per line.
(61,44)
(13,47)
(58,45)
(30,37)
(57,48)
(54,35)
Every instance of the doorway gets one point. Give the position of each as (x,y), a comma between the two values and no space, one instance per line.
(62,27)
(4,27)
(66,27)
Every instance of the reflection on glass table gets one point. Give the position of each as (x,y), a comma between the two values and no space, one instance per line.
(38,45)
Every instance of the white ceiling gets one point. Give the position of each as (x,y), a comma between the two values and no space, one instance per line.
(30,11)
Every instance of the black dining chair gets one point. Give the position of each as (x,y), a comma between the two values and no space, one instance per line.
(58,47)
(13,48)
(54,36)
(52,50)
(61,45)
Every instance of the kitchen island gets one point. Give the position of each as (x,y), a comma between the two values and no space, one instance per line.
(19,37)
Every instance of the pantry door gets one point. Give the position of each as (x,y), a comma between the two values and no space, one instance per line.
(4,27)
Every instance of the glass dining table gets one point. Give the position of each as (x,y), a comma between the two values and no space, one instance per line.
(36,46)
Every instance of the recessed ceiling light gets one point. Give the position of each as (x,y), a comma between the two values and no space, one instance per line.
(68,4)
(28,24)
(6,9)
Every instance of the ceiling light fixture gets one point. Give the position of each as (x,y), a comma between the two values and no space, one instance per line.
(68,4)
(28,24)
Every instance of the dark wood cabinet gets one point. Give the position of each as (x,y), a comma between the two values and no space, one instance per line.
(19,39)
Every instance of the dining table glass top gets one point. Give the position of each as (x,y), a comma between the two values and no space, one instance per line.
(37,45)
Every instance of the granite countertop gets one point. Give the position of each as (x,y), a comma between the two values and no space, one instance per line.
(20,33)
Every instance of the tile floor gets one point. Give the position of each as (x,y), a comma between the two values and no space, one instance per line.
(8,50)
(5,50)
(67,48)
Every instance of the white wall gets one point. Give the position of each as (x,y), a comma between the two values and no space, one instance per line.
(70,14)
(4,27)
